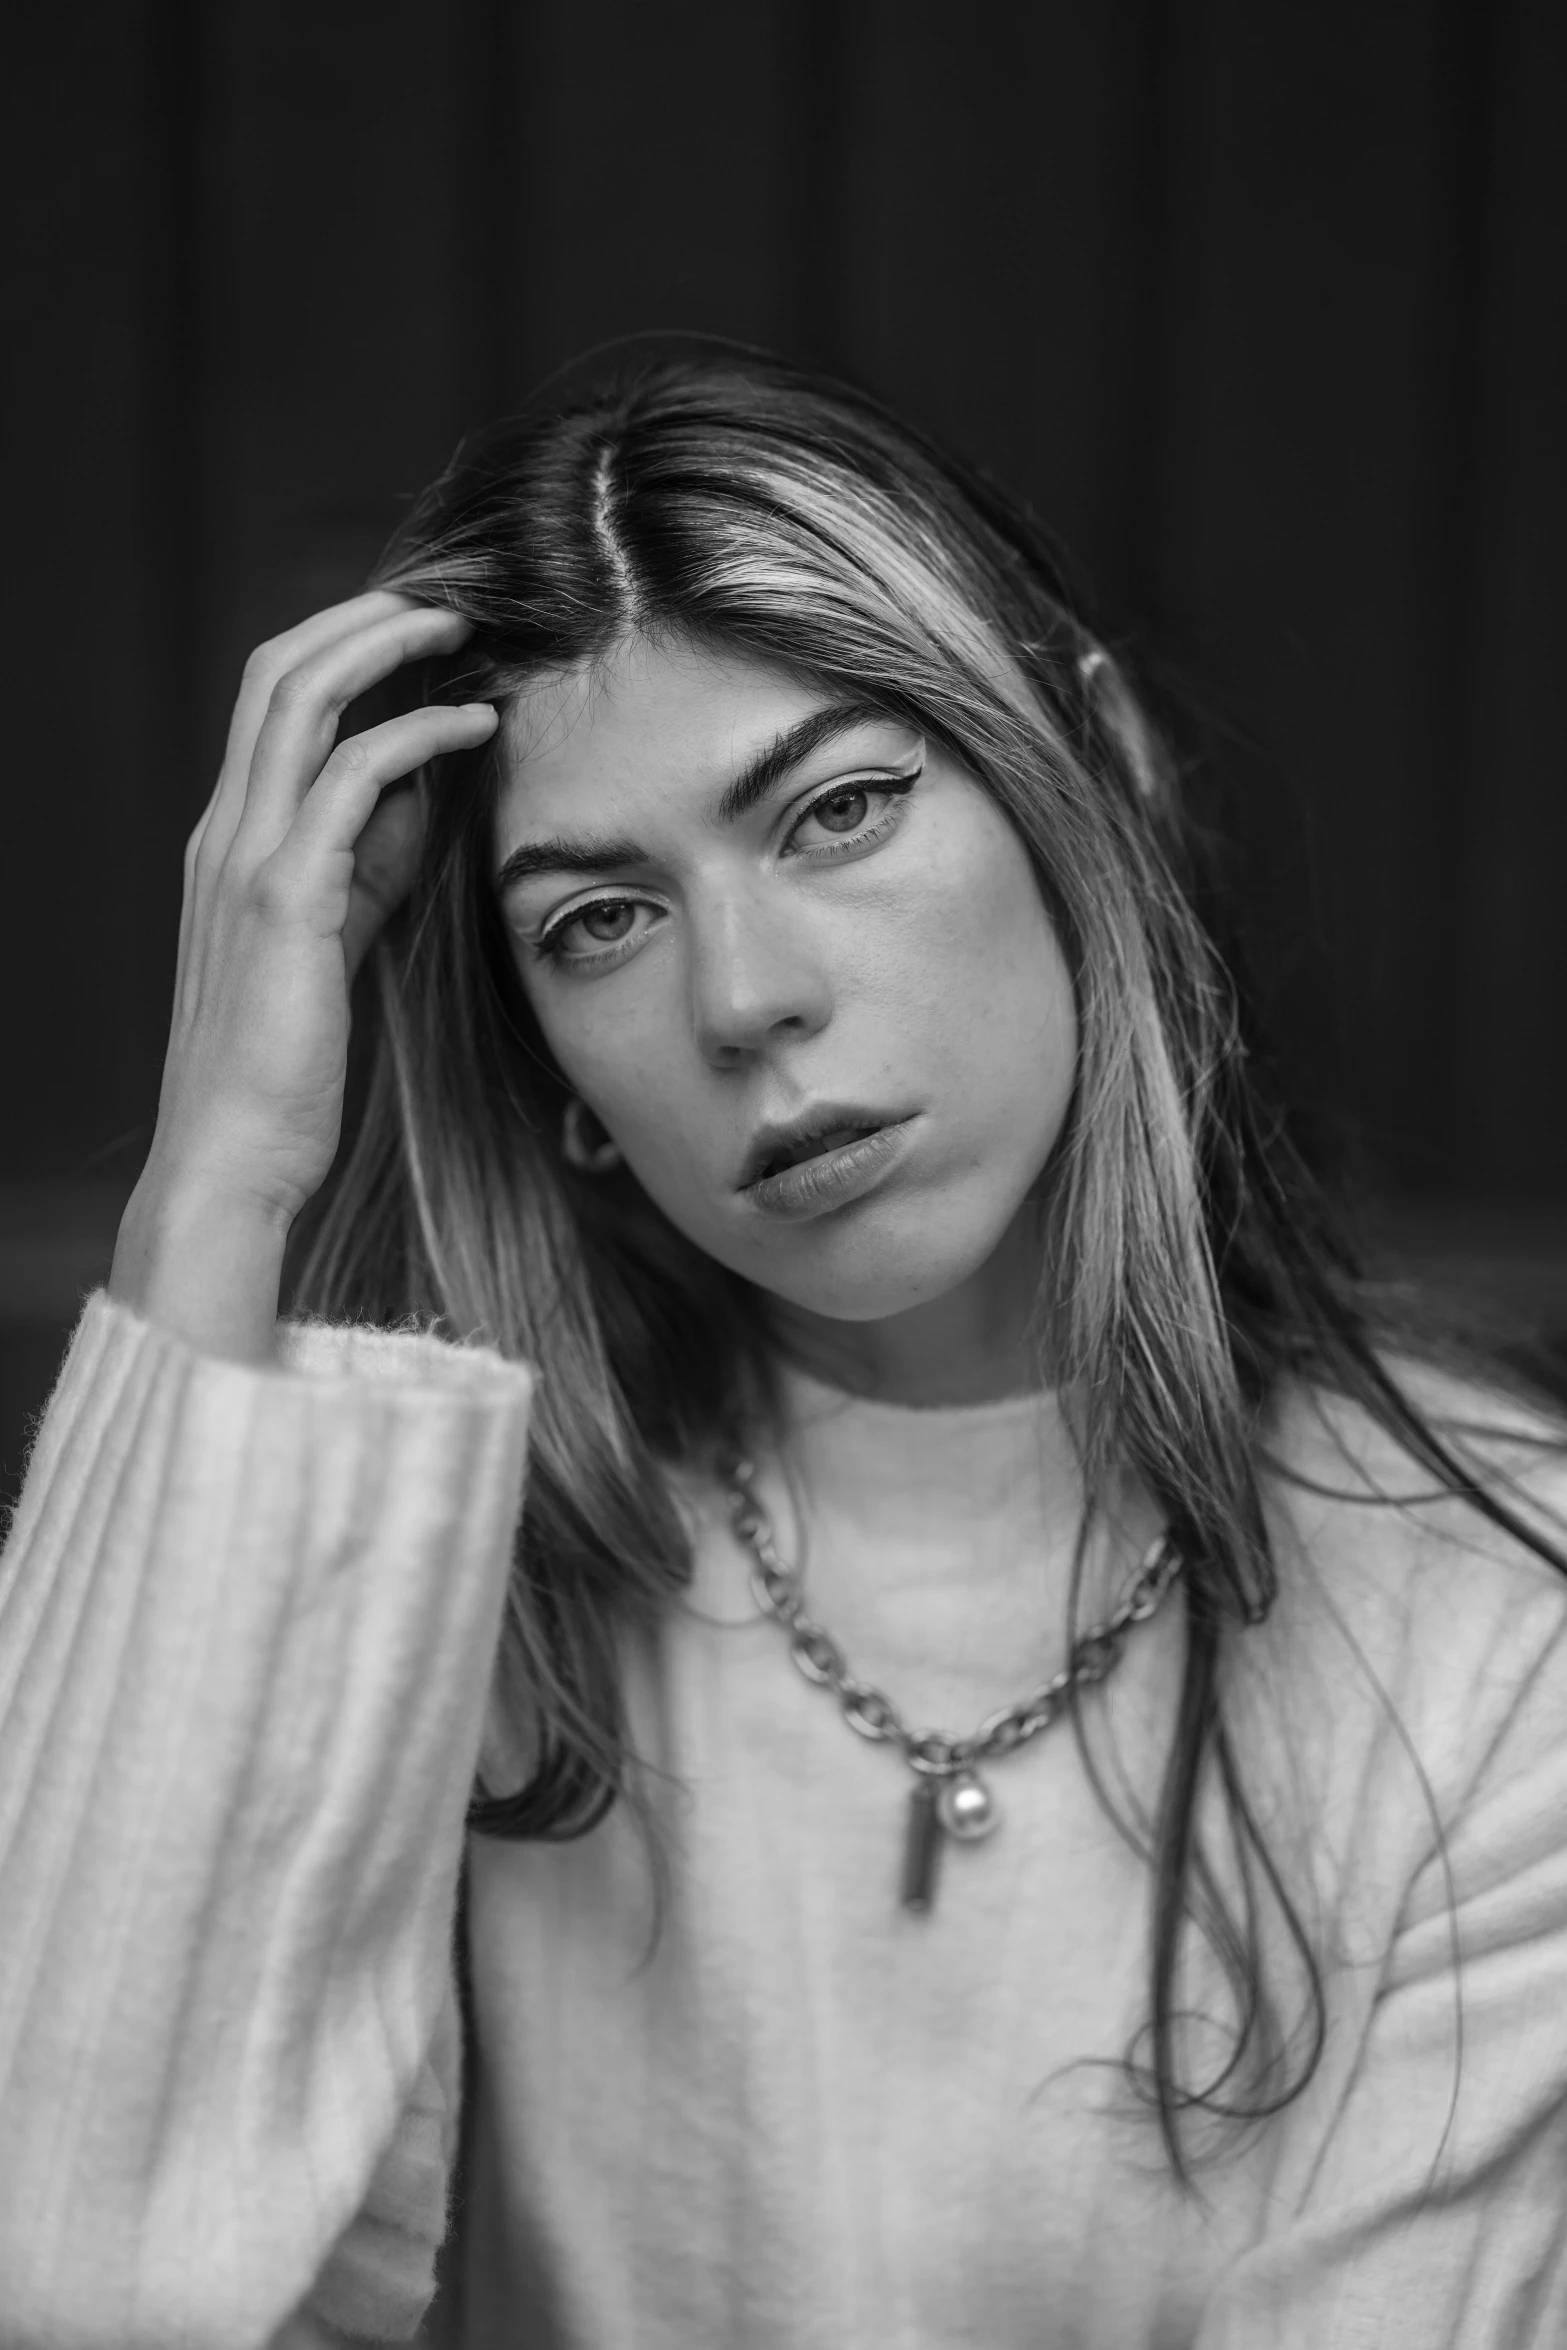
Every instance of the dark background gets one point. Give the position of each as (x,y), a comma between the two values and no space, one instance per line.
(1261,307)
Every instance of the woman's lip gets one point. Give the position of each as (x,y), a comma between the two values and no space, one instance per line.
(831,1179)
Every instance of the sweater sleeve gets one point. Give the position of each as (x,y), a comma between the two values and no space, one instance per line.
(247,1625)
(1428,2210)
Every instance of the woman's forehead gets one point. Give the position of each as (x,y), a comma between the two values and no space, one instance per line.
(656,693)
(655,721)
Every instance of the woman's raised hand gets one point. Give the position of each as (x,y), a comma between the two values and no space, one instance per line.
(295,863)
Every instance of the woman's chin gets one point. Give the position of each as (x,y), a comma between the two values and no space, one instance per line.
(873,1276)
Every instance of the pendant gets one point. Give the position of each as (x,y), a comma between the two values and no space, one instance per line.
(959,1805)
(921,1849)
(965,1807)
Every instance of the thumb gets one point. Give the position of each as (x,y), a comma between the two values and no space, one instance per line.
(386,858)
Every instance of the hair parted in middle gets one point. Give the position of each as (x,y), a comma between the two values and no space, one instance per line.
(714,495)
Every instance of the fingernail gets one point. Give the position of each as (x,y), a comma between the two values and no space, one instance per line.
(480,709)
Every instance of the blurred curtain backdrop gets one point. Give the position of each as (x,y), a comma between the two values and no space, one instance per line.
(1261,309)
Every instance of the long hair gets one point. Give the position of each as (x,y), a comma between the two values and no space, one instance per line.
(1195,1267)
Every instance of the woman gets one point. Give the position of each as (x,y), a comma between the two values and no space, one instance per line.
(800,1069)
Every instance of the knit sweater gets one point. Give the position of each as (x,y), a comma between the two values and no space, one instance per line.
(248,1621)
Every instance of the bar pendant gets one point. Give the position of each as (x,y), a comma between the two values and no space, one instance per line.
(921,1849)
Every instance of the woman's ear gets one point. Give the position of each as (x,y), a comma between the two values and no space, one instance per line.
(1119,713)
(583,1141)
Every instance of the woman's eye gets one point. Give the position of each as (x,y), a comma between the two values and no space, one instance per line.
(848,818)
(605,924)
(846,811)
(853,816)
(594,932)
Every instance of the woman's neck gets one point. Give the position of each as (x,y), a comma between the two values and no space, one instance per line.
(977,1343)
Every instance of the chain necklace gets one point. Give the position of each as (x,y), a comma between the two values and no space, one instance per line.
(949,1798)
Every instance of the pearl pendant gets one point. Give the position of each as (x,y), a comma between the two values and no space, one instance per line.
(965,1807)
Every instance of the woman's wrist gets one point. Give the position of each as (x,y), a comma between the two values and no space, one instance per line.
(204,1262)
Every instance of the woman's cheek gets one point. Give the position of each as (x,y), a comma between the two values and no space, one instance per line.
(639,1087)
(608,1050)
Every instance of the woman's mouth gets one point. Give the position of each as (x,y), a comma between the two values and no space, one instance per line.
(812,1146)
(819,1165)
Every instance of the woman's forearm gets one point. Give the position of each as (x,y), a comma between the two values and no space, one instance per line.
(246,1629)
(204,1264)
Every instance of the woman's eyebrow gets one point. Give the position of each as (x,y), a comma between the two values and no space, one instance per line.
(594,853)
(759,775)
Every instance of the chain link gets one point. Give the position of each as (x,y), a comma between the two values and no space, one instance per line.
(870,1712)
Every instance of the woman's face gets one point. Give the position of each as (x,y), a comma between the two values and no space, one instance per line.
(796,962)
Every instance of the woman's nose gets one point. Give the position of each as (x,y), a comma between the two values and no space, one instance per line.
(757,977)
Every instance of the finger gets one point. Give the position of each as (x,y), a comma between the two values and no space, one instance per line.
(300,727)
(267,665)
(280,654)
(344,797)
(385,862)
(187,909)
